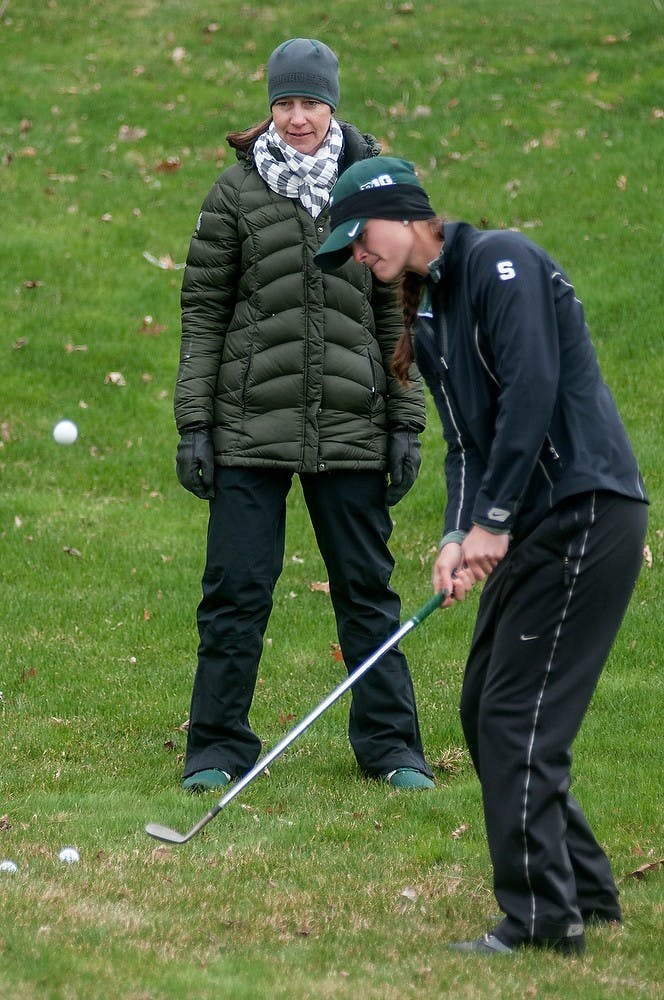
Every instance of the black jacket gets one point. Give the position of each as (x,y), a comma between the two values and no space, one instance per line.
(507,355)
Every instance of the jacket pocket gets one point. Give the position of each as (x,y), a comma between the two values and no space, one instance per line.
(373,386)
(246,378)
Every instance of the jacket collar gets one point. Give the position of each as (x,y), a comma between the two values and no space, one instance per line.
(440,264)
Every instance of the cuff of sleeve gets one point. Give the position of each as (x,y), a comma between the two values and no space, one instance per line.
(197,426)
(492,530)
(452,536)
(405,425)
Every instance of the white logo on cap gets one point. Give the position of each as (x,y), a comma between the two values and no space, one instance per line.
(383,180)
(352,233)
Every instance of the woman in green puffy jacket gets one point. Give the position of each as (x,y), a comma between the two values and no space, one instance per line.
(285,370)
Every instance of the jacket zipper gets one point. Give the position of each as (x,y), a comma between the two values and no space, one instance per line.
(445,345)
(552,451)
(446,391)
(373,382)
(245,378)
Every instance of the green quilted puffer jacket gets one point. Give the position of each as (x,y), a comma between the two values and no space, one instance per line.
(288,365)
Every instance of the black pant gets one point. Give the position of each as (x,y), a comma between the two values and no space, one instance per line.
(245,550)
(547,619)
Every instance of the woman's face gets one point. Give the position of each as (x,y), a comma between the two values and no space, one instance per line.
(385,246)
(302,122)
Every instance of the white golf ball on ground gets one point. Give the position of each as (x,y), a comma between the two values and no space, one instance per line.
(69,855)
(65,432)
(8,866)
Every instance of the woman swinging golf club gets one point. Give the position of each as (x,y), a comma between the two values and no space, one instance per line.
(544,501)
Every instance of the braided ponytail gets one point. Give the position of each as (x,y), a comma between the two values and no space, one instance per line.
(410,292)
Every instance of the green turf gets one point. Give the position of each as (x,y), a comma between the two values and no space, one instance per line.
(314,882)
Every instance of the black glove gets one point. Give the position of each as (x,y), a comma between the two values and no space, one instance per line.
(194,462)
(403,462)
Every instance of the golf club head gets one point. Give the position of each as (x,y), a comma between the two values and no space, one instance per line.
(165,834)
(168,836)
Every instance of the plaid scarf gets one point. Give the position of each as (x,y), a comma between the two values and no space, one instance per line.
(297,175)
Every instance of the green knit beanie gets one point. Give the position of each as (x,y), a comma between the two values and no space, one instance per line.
(303,67)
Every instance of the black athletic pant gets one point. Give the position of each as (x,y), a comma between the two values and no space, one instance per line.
(245,550)
(547,619)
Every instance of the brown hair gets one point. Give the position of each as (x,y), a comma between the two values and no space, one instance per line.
(410,293)
(245,139)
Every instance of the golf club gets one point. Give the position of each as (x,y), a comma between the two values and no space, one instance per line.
(169,836)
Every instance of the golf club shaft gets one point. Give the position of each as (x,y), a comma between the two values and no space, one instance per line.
(292,735)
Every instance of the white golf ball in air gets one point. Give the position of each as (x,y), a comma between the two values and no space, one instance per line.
(8,866)
(69,855)
(65,432)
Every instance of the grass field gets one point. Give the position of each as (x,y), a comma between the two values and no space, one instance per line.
(314,882)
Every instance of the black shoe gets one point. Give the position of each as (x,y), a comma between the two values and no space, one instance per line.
(574,945)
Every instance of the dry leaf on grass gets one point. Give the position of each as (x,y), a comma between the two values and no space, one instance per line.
(150,325)
(162,853)
(643,870)
(128,133)
(460,830)
(451,759)
(168,165)
(407,897)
